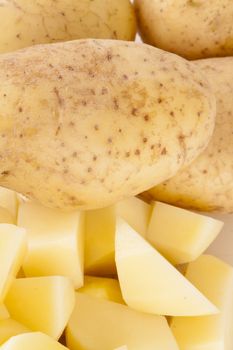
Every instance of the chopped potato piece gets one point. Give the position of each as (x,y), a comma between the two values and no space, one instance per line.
(12,252)
(9,328)
(35,341)
(215,279)
(136,213)
(149,283)
(3,312)
(8,200)
(6,217)
(104,288)
(179,234)
(42,303)
(99,242)
(55,242)
(98,324)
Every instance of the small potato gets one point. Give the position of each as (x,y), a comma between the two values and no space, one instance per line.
(190,28)
(207,184)
(25,23)
(82,125)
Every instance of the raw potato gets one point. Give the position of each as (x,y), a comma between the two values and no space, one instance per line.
(149,283)
(207,184)
(8,200)
(83,125)
(3,312)
(26,23)
(102,325)
(10,328)
(42,303)
(190,28)
(6,217)
(35,341)
(55,242)
(180,235)
(214,278)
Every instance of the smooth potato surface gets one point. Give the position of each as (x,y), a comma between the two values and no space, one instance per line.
(190,28)
(25,23)
(207,184)
(82,125)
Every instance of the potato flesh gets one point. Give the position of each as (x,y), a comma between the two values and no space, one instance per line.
(6,217)
(104,288)
(89,118)
(214,278)
(8,200)
(207,184)
(136,213)
(181,235)
(147,279)
(111,324)
(54,303)
(24,24)
(35,341)
(3,312)
(12,252)
(55,242)
(10,328)
(99,236)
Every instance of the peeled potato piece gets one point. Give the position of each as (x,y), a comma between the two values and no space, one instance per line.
(35,341)
(215,279)
(55,242)
(42,303)
(8,200)
(10,328)
(3,312)
(149,283)
(98,324)
(181,235)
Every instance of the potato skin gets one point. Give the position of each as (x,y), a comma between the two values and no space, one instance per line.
(25,23)
(207,184)
(190,28)
(82,125)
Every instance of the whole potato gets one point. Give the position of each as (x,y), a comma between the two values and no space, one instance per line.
(207,184)
(25,23)
(82,125)
(191,28)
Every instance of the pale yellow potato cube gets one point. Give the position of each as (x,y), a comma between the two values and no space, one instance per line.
(13,246)
(215,279)
(55,242)
(104,288)
(98,324)
(8,200)
(32,341)
(10,328)
(42,304)
(100,228)
(149,283)
(6,217)
(3,312)
(136,213)
(179,234)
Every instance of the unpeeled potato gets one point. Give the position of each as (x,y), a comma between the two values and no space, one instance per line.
(86,123)
(25,23)
(207,184)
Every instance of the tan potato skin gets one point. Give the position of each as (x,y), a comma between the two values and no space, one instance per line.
(190,28)
(82,125)
(28,22)
(207,184)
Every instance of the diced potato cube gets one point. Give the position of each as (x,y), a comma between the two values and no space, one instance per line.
(10,328)
(3,312)
(99,242)
(42,304)
(8,200)
(136,213)
(104,288)
(215,279)
(98,324)
(32,341)
(6,217)
(13,246)
(55,242)
(179,234)
(149,283)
